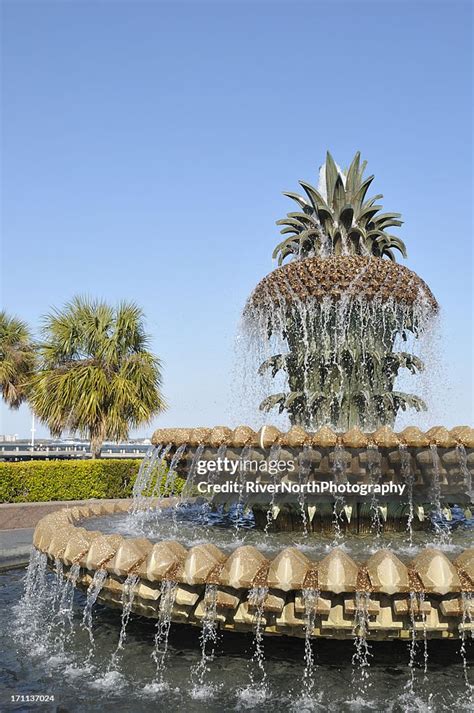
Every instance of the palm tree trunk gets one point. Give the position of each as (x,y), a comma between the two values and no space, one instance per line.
(96,446)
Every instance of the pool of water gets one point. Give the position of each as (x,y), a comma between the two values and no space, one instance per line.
(46,650)
(196,524)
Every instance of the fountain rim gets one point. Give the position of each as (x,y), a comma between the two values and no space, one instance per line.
(58,536)
(325,437)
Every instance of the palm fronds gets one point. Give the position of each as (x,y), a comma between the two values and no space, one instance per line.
(342,222)
(17,359)
(96,375)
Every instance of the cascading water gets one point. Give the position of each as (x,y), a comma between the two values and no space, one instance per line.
(257,672)
(416,610)
(159,655)
(374,472)
(466,473)
(93,591)
(360,659)
(407,475)
(339,470)
(304,466)
(335,361)
(128,595)
(208,642)
(32,611)
(188,487)
(170,481)
(467,605)
(310,599)
(273,456)
(439,516)
(66,607)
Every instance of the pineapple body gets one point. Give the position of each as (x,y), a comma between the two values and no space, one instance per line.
(342,309)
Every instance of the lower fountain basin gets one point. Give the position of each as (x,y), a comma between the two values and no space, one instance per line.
(80,681)
(274,587)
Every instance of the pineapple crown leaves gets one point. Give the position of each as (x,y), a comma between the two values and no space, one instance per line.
(342,223)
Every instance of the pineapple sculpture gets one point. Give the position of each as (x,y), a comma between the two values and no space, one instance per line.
(341,307)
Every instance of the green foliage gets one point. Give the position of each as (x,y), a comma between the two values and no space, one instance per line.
(41,481)
(96,375)
(342,223)
(17,359)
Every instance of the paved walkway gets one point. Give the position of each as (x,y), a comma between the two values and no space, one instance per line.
(17,524)
(15,547)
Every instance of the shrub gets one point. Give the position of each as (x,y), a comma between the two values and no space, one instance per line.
(41,481)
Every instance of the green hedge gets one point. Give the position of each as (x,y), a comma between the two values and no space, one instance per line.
(41,481)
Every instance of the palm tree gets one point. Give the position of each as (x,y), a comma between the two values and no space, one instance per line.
(17,359)
(340,307)
(96,376)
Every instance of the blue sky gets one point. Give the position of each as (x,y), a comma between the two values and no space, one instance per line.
(146,147)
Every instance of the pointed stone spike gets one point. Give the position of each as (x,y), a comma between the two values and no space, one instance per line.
(463,435)
(200,437)
(458,430)
(384,437)
(108,508)
(440,436)
(130,553)
(243,436)
(101,550)
(447,514)
(48,526)
(74,514)
(465,562)
(296,437)
(186,596)
(97,509)
(413,437)
(438,575)
(78,545)
(268,435)
(348,512)
(241,567)
(224,600)
(355,438)
(220,436)
(337,572)
(181,436)
(325,438)
(383,511)
(311,512)
(387,573)
(162,435)
(163,557)
(275,511)
(42,535)
(146,591)
(288,570)
(59,540)
(199,563)
(123,505)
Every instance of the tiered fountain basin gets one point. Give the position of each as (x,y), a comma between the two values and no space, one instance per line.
(435,466)
(429,595)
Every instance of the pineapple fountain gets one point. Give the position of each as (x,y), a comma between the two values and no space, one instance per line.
(336,322)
